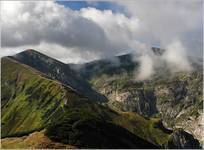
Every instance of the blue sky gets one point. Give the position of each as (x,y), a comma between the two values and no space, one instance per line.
(102,5)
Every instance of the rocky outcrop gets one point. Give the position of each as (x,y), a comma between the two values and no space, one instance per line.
(141,101)
(182,140)
(180,103)
(177,100)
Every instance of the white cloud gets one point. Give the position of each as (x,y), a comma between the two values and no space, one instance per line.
(168,20)
(87,34)
(117,27)
(88,31)
(176,58)
(146,69)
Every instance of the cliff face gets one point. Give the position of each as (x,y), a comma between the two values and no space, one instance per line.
(137,99)
(176,99)
(180,102)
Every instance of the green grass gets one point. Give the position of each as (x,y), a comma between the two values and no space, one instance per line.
(30,98)
(85,129)
(145,128)
(32,102)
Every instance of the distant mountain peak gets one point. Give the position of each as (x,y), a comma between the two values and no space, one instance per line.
(31,51)
(158,51)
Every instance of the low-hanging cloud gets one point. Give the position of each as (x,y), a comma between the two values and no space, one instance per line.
(173,59)
(176,25)
(176,58)
(146,68)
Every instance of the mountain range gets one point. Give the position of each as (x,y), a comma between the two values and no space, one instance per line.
(49,104)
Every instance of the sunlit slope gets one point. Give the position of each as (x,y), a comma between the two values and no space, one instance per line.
(36,140)
(28,98)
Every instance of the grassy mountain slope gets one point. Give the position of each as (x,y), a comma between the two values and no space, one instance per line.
(32,102)
(150,129)
(28,98)
(85,129)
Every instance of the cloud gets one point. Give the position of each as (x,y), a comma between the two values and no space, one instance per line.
(176,25)
(114,24)
(87,34)
(87,31)
(52,23)
(176,57)
(146,68)
(165,21)
(64,54)
(173,60)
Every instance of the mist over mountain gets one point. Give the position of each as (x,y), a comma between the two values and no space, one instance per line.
(173,95)
(145,66)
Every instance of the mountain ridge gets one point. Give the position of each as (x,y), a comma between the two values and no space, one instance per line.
(40,73)
(57,71)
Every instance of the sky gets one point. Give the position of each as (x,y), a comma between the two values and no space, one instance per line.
(81,31)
